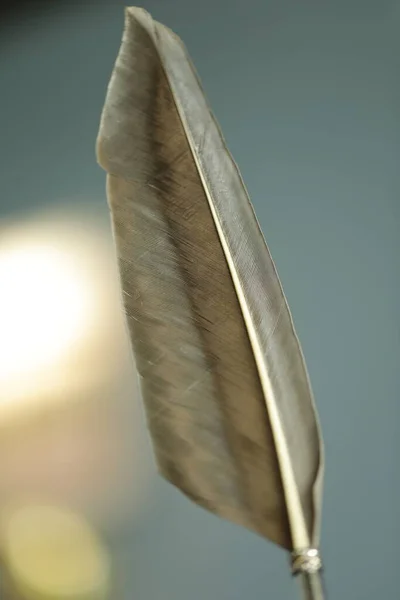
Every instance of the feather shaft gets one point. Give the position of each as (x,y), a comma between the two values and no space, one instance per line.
(227,394)
(312,586)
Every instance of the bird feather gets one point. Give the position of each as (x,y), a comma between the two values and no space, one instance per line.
(226,391)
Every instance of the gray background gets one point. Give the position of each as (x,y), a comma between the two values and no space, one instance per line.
(307,94)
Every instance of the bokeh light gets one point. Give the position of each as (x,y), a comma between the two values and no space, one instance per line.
(58,333)
(52,553)
(45,307)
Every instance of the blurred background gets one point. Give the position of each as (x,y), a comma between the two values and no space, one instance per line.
(307,94)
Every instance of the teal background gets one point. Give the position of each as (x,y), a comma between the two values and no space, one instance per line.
(307,94)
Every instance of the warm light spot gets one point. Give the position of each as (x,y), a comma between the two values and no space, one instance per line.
(44,308)
(60,336)
(52,553)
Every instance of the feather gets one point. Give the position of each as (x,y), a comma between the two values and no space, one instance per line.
(226,392)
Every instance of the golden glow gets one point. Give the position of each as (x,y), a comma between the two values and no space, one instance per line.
(58,306)
(53,553)
(44,308)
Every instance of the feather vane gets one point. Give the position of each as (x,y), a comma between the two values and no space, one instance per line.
(227,396)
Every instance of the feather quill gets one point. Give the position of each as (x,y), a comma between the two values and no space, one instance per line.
(227,396)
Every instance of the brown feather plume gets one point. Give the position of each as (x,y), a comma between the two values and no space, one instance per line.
(226,392)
